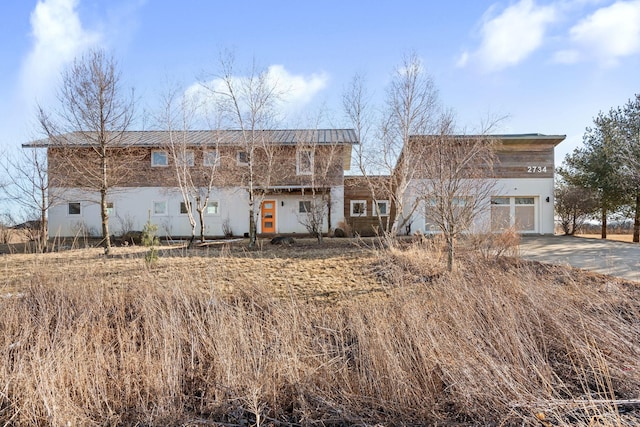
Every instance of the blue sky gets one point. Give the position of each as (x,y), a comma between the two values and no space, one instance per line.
(549,66)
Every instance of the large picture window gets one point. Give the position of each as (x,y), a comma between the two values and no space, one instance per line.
(517,212)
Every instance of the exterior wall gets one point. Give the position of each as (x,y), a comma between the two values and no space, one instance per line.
(132,207)
(538,188)
(357,189)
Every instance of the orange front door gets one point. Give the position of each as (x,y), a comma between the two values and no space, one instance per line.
(268,215)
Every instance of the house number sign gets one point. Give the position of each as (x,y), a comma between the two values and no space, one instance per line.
(536,169)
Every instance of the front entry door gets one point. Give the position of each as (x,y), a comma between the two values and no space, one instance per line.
(268,215)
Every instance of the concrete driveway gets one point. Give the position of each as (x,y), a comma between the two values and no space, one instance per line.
(603,256)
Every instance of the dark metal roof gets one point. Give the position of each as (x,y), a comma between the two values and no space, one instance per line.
(213,137)
(514,138)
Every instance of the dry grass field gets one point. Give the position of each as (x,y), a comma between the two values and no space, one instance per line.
(344,333)
(610,236)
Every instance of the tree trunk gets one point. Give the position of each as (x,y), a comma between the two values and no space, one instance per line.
(636,221)
(252,224)
(201,219)
(44,227)
(603,232)
(450,253)
(105,222)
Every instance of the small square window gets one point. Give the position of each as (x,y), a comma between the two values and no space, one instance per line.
(184,208)
(210,158)
(74,208)
(159,158)
(185,158)
(160,208)
(110,208)
(304,162)
(358,208)
(304,206)
(243,158)
(381,208)
(212,208)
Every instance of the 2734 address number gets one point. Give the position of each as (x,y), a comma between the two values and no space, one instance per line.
(536,169)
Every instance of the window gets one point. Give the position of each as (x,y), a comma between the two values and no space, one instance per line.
(73,208)
(304,162)
(160,208)
(304,206)
(358,208)
(212,208)
(518,212)
(185,158)
(110,208)
(159,158)
(243,158)
(210,158)
(184,209)
(381,208)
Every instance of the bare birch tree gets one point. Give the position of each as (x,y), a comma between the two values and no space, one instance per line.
(411,108)
(194,181)
(318,164)
(249,104)
(88,129)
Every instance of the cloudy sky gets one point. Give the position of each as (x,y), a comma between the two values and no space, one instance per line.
(549,66)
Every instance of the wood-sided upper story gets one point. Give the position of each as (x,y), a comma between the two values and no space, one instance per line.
(270,159)
(513,155)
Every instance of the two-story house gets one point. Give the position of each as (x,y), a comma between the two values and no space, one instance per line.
(288,170)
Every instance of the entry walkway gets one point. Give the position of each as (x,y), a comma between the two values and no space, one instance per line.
(603,256)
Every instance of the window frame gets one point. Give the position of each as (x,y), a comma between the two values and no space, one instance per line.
(186,211)
(375,207)
(217,212)
(302,206)
(206,157)
(79,213)
(239,161)
(353,203)
(154,164)
(311,157)
(186,158)
(153,208)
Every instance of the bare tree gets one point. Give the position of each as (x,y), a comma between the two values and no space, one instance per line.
(249,105)
(573,205)
(319,164)
(86,134)
(411,108)
(454,179)
(28,186)
(194,181)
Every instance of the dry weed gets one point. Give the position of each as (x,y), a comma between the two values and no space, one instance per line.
(197,341)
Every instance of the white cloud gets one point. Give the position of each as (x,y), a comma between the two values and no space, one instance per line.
(295,91)
(511,36)
(58,37)
(608,34)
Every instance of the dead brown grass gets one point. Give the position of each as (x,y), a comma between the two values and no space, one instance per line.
(610,236)
(330,335)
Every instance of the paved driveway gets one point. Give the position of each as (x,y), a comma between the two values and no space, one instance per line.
(603,256)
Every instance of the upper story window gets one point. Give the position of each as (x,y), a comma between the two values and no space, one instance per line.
(186,158)
(211,158)
(243,158)
(110,208)
(358,208)
(159,158)
(304,162)
(185,208)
